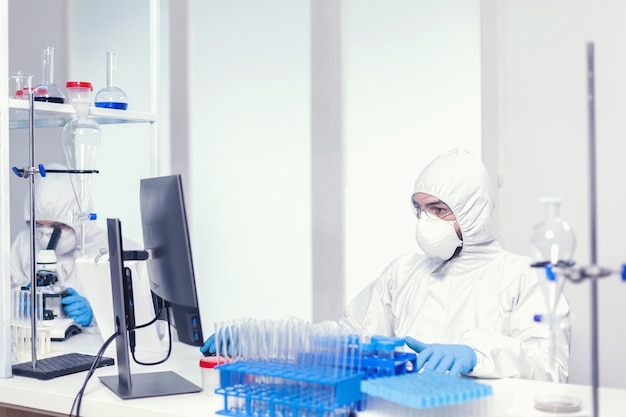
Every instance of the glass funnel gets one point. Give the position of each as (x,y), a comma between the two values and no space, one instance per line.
(111,96)
(554,241)
(48,91)
(81,139)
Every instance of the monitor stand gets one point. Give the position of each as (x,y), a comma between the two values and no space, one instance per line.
(152,384)
(124,384)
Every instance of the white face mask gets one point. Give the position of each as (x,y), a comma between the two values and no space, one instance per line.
(437,237)
(67,240)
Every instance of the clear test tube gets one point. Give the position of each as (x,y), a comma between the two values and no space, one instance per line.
(217,329)
(24,305)
(39,309)
(15,299)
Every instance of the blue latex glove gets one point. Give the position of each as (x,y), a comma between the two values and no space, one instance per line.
(77,307)
(209,347)
(457,359)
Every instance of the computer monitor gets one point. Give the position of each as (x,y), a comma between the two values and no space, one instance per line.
(170,263)
(172,281)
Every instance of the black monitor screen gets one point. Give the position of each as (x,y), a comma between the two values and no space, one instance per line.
(170,264)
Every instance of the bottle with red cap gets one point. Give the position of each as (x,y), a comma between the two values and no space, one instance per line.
(210,375)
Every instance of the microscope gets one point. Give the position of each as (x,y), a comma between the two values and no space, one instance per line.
(51,292)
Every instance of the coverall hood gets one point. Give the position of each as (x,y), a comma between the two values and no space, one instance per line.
(460,180)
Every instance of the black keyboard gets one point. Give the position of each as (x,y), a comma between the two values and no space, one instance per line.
(69,363)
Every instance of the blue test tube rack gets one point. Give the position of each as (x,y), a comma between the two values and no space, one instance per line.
(331,387)
(381,358)
(274,389)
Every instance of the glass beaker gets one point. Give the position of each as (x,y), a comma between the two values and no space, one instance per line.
(20,84)
(48,91)
(111,96)
(81,139)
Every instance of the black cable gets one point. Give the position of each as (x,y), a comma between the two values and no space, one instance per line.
(79,397)
(169,349)
(156,317)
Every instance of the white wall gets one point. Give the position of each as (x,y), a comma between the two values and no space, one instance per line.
(411,88)
(544,149)
(249,158)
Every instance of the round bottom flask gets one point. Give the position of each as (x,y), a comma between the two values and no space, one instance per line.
(111,97)
(48,91)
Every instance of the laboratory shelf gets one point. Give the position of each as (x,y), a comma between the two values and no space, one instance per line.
(54,114)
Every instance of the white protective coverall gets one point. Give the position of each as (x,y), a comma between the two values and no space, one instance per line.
(54,199)
(485,297)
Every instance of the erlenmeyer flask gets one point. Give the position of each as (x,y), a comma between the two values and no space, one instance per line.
(81,139)
(48,90)
(553,238)
(111,96)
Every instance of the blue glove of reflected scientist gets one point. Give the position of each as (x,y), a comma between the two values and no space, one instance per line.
(77,307)
(457,359)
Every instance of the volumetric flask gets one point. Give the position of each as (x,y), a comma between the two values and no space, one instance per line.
(48,91)
(111,97)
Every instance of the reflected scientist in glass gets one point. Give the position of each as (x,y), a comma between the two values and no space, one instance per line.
(54,200)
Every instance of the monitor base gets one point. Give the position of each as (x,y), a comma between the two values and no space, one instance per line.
(152,384)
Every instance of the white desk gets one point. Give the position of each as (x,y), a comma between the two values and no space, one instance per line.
(512,397)
(55,396)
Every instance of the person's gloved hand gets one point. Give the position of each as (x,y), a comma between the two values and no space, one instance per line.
(208,348)
(77,307)
(227,347)
(457,359)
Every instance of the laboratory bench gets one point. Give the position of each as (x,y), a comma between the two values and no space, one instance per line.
(28,397)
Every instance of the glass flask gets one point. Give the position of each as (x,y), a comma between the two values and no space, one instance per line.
(48,91)
(81,139)
(554,241)
(111,97)
(553,238)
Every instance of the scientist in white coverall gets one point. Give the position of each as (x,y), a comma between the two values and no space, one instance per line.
(467,306)
(54,199)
